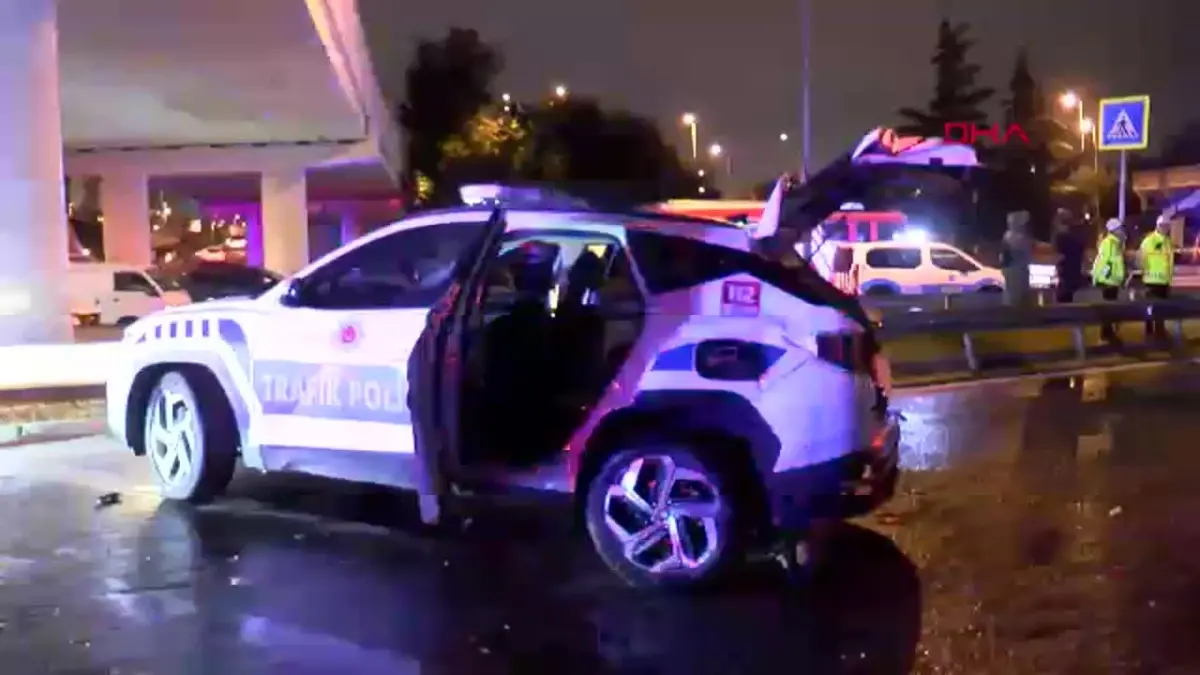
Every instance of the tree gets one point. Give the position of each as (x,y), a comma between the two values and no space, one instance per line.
(492,147)
(1031,173)
(1183,147)
(762,189)
(608,153)
(957,98)
(446,86)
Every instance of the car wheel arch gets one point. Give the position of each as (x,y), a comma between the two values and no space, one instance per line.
(880,288)
(143,385)
(708,421)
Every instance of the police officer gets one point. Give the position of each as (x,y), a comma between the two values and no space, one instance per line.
(1157,259)
(1108,269)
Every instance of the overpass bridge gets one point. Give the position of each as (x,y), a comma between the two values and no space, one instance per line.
(130,90)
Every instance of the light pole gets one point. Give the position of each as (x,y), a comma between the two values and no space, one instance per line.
(560,91)
(783,137)
(689,120)
(805,87)
(1087,127)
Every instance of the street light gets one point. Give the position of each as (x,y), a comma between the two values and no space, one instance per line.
(716,152)
(1071,101)
(560,91)
(783,137)
(700,173)
(689,120)
(507,98)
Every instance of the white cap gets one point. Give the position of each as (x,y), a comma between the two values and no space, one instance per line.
(1112,225)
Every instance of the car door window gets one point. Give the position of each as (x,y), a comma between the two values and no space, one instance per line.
(133,282)
(894,258)
(561,270)
(406,269)
(951,261)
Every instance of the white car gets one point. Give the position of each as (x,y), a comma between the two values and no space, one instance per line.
(116,294)
(695,397)
(899,268)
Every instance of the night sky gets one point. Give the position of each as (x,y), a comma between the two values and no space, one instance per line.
(736,64)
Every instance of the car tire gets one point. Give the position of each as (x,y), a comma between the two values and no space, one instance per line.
(190,436)
(880,292)
(991,289)
(693,539)
(126,321)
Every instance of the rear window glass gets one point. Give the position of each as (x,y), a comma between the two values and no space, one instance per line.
(670,263)
(896,258)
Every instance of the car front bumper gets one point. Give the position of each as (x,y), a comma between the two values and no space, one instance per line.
(850,485)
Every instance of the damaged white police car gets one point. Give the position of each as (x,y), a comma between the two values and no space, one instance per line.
(696,396)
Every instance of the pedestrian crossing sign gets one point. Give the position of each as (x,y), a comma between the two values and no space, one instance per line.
(1124,123)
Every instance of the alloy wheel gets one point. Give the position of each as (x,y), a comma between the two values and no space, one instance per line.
(173,433)
(664,515)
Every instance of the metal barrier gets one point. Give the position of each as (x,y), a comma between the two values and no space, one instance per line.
(967,322)
(87,361)
(934,302)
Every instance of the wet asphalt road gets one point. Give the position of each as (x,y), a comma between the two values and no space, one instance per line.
(1044,527)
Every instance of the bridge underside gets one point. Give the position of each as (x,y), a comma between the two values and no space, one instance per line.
(138,89)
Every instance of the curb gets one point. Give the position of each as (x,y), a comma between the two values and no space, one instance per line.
(15,433)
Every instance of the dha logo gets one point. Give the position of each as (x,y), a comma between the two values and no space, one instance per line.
(968,133)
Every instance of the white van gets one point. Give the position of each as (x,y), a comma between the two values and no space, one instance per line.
(900,268)
(115,294)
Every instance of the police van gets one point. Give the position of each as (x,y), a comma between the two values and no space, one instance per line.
(697,397)
(889,268)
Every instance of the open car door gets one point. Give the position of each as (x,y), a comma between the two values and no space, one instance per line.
(435,367)
(881,162)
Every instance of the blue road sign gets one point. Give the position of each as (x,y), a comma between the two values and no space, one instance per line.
(1124,123)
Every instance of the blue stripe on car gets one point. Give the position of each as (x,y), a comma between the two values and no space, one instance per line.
(230,332)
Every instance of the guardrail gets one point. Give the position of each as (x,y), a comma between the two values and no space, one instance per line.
(968,323)
(933,302)
(86,362)
(56,365)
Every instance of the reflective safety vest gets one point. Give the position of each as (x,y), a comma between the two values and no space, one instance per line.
(1109,267)
(1158,259)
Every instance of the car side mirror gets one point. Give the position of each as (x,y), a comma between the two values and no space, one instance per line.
(293,295)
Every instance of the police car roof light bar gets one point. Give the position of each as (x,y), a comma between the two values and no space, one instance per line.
(509,196)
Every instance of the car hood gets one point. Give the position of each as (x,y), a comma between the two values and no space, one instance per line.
(220,305)
(881,161)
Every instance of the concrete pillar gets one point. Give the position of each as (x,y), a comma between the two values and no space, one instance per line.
(254,237)
(285,219)
(125,205)
(33,257)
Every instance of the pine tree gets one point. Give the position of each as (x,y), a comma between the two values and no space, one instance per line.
(957,97)
(1031,173)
